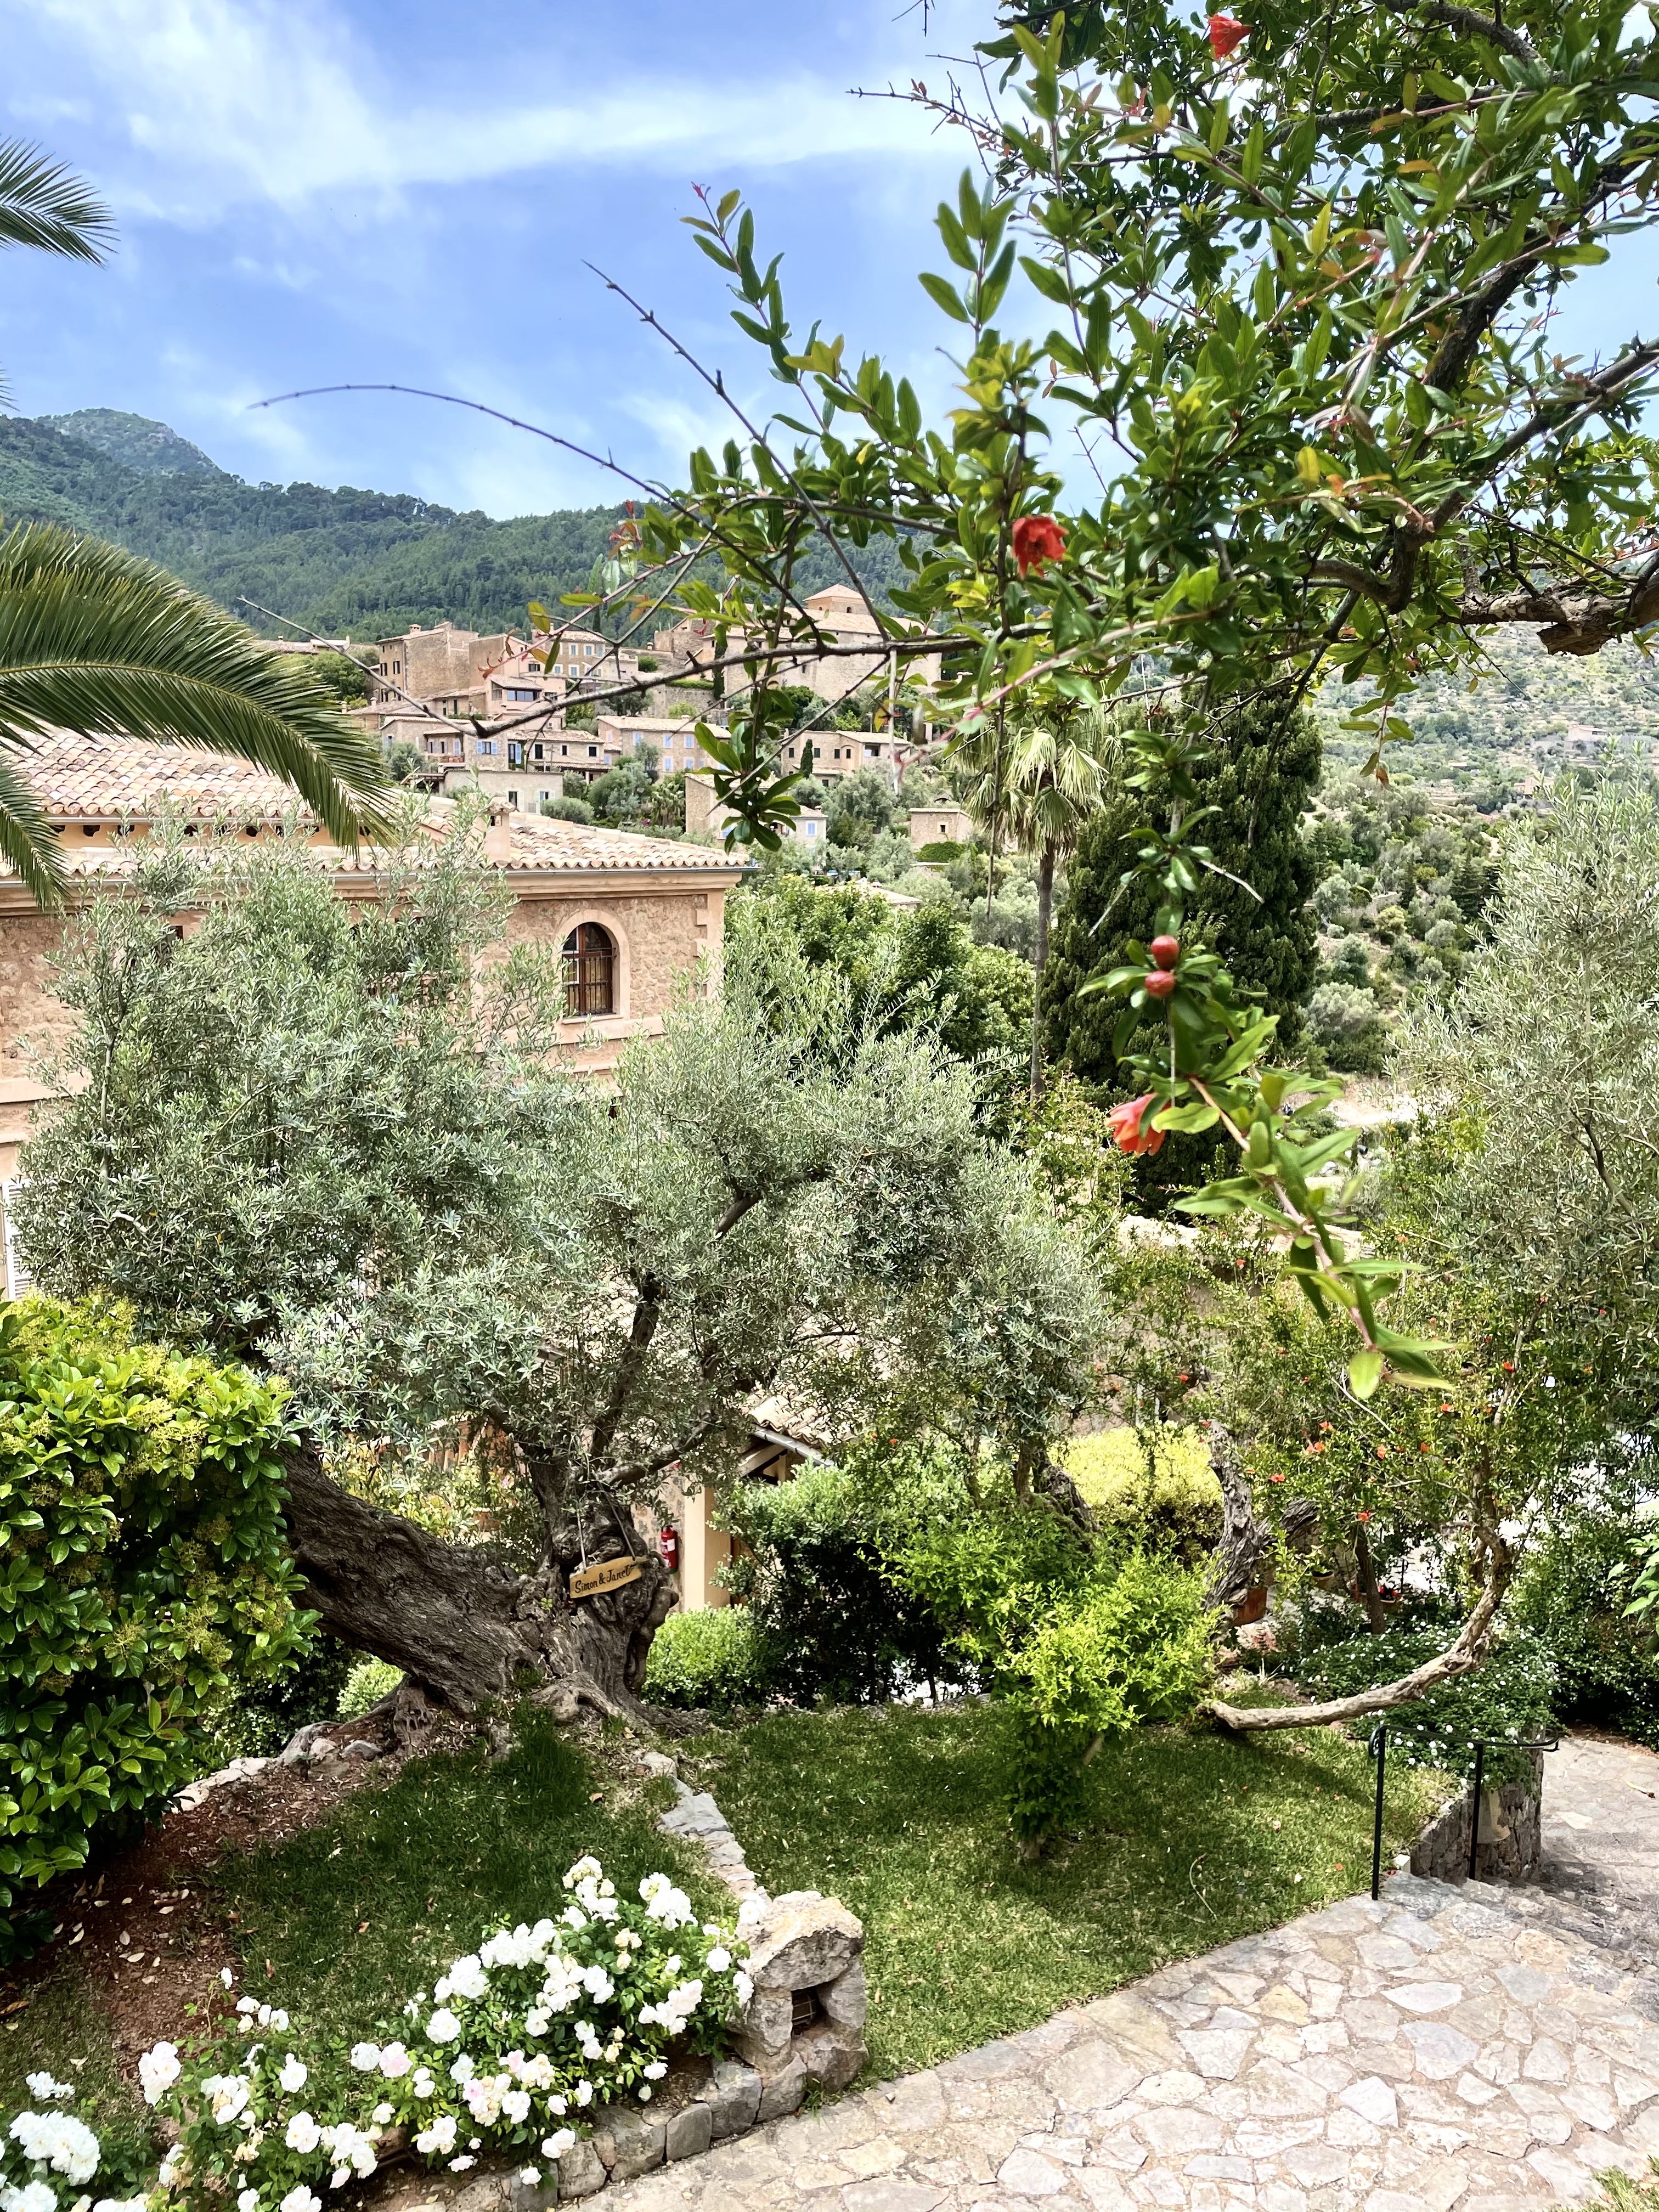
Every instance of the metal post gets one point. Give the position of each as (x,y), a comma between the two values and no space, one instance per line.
(1379,1746)
(1474,1823)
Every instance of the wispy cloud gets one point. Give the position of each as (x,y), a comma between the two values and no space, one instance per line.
(288,104)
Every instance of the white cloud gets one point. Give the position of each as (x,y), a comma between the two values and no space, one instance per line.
(285,104)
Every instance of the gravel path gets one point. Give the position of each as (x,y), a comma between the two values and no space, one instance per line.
(1482,2047)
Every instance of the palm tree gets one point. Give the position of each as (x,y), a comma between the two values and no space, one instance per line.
(1039,777)
(95,640)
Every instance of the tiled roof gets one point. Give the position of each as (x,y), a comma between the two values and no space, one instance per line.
(105,779)
(110,780)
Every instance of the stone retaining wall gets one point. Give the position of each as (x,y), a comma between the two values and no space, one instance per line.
(1512,1839)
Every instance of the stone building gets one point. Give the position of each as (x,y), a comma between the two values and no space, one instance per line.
(629,915)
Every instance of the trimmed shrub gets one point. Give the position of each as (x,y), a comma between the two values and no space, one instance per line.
(834,1620)
(369,1680)
(715,1660)
(143,1575)
(1156,1484)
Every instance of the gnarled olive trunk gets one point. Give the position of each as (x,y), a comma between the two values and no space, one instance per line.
(461,1628)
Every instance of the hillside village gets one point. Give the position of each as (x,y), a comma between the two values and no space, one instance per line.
(827,1371)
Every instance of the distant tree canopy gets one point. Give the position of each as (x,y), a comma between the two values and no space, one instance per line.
(346,564)
(908,969)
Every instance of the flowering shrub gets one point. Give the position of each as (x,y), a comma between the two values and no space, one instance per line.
(514,2045)
(59,2155)
(142,1570)
(1504,1700)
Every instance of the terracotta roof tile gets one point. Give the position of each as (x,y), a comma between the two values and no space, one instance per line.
(107,780)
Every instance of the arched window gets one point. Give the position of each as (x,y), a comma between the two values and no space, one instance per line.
(590,971)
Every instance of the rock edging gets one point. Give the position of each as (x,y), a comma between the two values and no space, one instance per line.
(697,1817)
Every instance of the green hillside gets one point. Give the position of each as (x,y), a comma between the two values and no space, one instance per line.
(363,564)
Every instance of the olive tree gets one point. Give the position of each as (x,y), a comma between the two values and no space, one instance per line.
(337,1143)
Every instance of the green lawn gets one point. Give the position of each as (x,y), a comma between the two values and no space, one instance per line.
(356,1913)
(1192,1839)
(373,1903)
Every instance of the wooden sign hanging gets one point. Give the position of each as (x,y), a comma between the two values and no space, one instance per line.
(606,1574)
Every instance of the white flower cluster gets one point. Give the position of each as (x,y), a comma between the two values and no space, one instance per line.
(516,2040)
(54,2142)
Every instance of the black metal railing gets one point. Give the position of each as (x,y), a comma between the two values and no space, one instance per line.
(1379,1748)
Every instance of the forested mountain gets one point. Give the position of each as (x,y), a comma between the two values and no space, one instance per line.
(363,564)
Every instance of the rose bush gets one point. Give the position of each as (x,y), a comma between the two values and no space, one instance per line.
(513,2046)
(45,2156)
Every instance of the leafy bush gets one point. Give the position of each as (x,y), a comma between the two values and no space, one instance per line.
(1156,1484)
(264,1715)
(1573,1598)
(144,1573)
(986,1574)
(715,1660)
(1131,1645)
(832,1619)
(1507,1699)
(369,1680)
(521,2038)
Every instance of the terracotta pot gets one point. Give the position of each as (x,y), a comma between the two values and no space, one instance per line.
(1251,1607)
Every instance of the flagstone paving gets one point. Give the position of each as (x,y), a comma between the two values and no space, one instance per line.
(1481,2047)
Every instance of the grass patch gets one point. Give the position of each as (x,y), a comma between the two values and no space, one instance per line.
(1192,1839)
(346,1921)
(63,2032)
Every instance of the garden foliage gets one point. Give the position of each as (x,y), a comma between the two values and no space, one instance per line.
(1573,1599)
(144,1573)
(1506,1700)
(714,1661)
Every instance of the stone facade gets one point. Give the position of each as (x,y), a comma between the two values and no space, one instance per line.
(661,905)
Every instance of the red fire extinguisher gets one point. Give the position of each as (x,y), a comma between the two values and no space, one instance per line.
(668,1544)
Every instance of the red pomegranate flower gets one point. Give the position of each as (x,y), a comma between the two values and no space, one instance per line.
(1130,1132)
(1226,31)
(1038,539)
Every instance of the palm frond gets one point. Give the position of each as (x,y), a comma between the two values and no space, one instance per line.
(96,641)
(45,205)
(27,840)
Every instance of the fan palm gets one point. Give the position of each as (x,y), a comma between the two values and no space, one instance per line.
(95,640)
(1040,778)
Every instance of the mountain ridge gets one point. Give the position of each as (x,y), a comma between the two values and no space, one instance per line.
(346,563)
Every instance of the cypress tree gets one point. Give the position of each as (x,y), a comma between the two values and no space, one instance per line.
(1259,776)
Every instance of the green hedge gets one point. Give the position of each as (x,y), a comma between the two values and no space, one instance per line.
(143,1577)
(714,1660)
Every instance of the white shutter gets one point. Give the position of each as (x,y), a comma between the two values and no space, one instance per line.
(18,1279)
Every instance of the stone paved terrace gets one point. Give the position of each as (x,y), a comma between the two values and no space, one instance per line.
(1474,2046)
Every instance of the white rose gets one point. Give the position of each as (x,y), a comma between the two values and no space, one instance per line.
(300,2199)
(443,2026)
(529,2176)
(395,2062)
(556,2144)
(302,2134)
(720,1959)
(366,2057)
(293,2075)
(158,2070)
(248,2201)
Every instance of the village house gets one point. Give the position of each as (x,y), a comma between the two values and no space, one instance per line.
(939,825)
(630,916)
(841,618)
(705,816)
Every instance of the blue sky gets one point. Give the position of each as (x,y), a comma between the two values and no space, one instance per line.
(323,190)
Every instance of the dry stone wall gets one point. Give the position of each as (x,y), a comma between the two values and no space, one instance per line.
(1511,1833)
